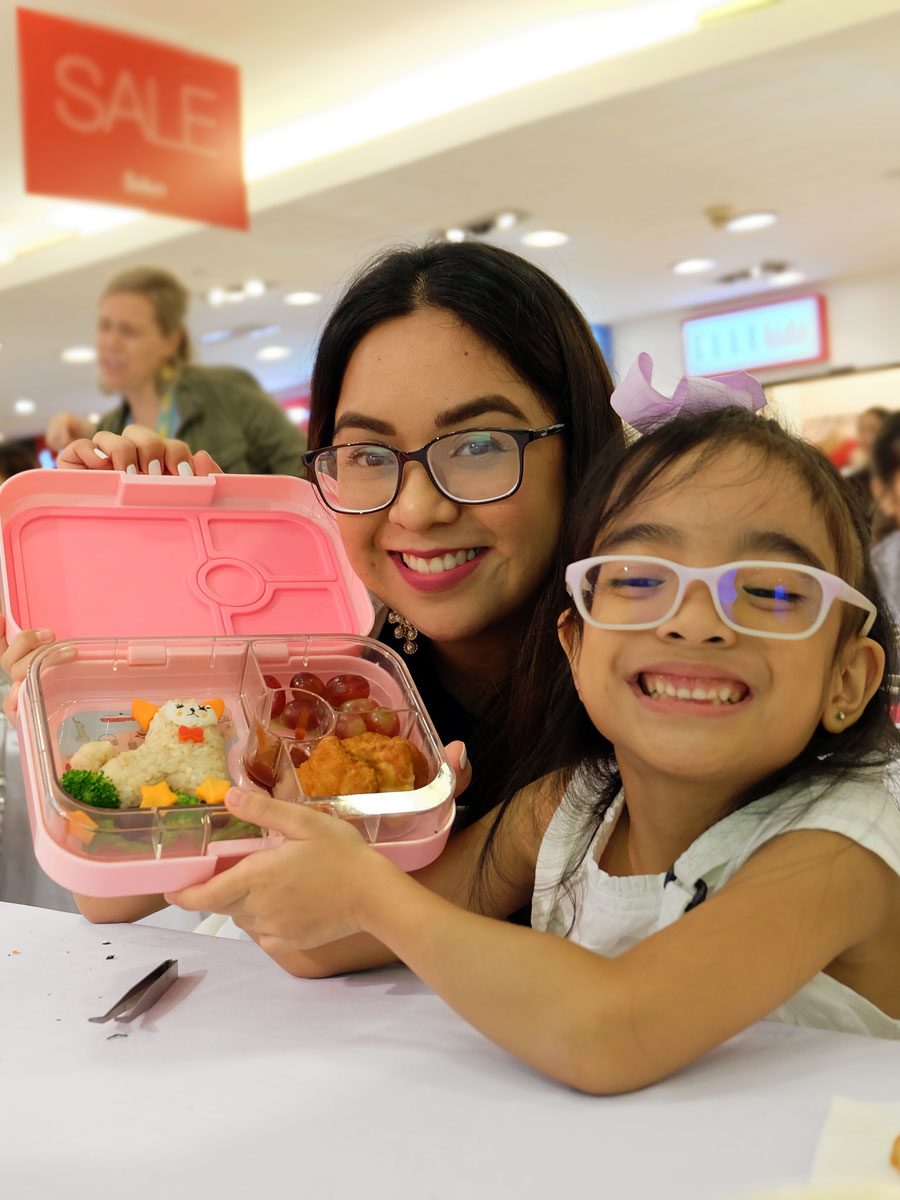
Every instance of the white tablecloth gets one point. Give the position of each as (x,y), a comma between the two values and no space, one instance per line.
(243,1082)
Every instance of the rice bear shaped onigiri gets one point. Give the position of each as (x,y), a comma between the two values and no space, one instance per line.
(183,748)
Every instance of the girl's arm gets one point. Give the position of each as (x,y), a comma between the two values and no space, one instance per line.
(267,894)
(603,1025)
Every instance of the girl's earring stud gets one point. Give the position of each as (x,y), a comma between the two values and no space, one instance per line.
(840,716)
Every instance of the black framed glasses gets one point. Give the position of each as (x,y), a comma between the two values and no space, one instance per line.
(472,466)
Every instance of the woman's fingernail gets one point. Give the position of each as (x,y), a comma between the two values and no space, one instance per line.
(155,467)
(44,635)
(131,469)
(463,758)
(185,468)
(100,454)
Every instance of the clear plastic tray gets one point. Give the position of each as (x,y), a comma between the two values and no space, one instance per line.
(82,690)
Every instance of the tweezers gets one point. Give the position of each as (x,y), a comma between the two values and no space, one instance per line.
(144,994)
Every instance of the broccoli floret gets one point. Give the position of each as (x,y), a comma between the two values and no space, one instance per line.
(182,798)
(91,787)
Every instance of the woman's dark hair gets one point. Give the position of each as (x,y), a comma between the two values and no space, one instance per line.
(532,323)
(670,457)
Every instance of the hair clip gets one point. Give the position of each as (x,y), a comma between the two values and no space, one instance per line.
(644,408)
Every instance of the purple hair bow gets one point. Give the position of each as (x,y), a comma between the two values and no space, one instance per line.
(644,408)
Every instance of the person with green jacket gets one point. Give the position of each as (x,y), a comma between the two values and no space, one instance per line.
(144,357)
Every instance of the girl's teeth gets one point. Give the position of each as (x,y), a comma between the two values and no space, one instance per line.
(657,686)
(434,566)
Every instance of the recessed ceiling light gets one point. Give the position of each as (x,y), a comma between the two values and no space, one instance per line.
(263,331)
(455,234)
(506,220)
(299,298)
(273,353)
(254,287)
(215,335)
(23,406)
(787,278)
(93,417)
(748,222)
(78,354)
(216,296)
(693,266)
(545,238)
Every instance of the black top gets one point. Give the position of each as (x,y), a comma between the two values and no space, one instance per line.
(452,722)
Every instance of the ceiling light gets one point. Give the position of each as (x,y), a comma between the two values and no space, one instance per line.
(748,222)
(87,219)
(693,266)
(215,335)
(545,238)
(787,278)
(24,406)
(78,354)
(93,417)
(216,296)
(254,288)
(298,415)
(504,221)
(273,353)
(300,298)
(455,235)
(263,331)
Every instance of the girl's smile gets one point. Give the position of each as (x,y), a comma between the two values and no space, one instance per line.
(693,699)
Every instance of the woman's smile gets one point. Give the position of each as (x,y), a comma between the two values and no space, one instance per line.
(433,570)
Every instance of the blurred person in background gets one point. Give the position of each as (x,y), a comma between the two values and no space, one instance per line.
(144,357)
(885,468)
(868,424)
(14,457)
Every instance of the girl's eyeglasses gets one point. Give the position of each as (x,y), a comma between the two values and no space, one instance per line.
(763,599)
(474,466)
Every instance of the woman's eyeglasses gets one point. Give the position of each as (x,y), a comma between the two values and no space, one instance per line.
(763,599)
(474,466)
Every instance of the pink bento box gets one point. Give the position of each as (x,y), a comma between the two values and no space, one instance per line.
(159,587)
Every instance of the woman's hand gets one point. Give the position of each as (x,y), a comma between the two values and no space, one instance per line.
(307,892)
(136,451)
(15,657)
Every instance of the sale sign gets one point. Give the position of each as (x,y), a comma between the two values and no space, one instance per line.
(123,120)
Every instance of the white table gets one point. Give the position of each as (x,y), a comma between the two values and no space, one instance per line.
(243,1082)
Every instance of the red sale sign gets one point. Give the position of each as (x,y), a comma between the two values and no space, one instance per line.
(118,119)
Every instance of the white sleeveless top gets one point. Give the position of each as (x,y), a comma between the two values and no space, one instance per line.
(608,914)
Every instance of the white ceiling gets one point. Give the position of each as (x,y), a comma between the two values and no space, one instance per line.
(794,108)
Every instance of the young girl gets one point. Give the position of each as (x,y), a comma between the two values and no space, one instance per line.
(722,848)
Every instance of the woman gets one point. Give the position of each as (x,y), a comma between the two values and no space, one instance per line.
(449,339)
(144,356)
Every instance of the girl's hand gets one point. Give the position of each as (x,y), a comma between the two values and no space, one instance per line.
(307,892)
(137,451)
(15,657)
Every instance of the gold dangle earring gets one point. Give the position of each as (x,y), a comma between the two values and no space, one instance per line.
(406,630)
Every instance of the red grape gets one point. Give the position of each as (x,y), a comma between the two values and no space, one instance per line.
(382,720)
(362,705)
(307,682)
(349,724)
(340,688)
(278,697)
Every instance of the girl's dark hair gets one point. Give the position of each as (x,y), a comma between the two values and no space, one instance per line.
(680,450)
(528,319)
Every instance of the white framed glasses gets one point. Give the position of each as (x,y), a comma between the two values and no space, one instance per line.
(472,466)
(756,597)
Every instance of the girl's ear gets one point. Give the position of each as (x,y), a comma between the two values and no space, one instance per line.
(565,631)
(857,677)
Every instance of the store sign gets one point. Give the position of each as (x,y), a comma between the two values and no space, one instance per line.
(748,339)
(117,119)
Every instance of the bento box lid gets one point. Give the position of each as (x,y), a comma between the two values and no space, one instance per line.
(105,554)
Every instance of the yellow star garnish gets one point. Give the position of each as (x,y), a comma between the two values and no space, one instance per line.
(212,791)
(158,796)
